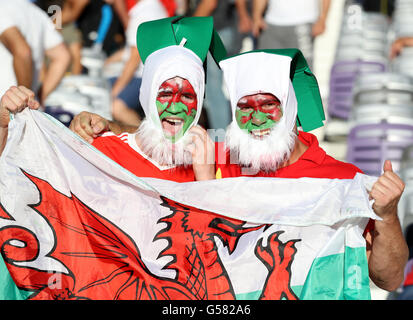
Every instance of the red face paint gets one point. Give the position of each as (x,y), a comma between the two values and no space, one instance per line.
(258,113)
(177,107)
(177,90)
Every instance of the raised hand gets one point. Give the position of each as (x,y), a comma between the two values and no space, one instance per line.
(203,154)
(89,125)
(386,192)
(15,100)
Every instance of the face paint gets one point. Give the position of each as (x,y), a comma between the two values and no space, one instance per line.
(258,113)
(177,106)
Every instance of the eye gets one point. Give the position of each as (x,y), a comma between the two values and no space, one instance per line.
(269,106)
(188,97)
(245,108)
(165,95)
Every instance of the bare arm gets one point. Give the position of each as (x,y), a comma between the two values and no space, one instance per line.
(258,23)
(59,62)
(90,125)
(325,7)
(122,12)
(14,42)
(245,21)
(205,8)
(387,249)
(320,25)
(127,72)
(72,10)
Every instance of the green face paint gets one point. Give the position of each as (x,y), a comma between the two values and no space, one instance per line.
(175,119)
(177,107)
(258,114)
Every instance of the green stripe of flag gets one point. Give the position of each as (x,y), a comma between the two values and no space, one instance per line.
(342,276)
(8,289)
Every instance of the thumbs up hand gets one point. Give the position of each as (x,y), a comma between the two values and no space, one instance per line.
(386,193)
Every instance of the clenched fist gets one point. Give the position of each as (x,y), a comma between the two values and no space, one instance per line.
(15,100)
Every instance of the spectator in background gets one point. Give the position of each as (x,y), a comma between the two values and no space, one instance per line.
(225,17)
(27,36)
(63,23)
(98,24)
(289,24)
(125,89)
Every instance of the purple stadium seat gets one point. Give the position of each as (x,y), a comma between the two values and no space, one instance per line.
(369,145)
(342,78)
(60,114)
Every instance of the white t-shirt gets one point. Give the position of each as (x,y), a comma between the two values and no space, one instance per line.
(143,11)
(292,12)
(39,32)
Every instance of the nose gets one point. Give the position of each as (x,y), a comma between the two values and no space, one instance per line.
(173,108)
(258,119)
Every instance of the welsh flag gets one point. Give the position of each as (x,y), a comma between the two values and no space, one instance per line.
(75,225)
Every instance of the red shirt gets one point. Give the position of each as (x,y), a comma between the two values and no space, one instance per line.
(408,278)
(124,150)
(314,163)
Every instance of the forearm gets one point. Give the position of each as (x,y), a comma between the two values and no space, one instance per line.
(241,6)
(23,69)
(54,74)
(325,6)
(205,8)
(128,70)
(3,138)
(118,128)
(72,10)
(122,12)
(258,8)
(389,254)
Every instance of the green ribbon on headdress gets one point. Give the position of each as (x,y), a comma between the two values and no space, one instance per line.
(310,111)
(199,33)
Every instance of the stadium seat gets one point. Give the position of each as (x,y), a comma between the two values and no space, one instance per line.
(369,145)
(343,76)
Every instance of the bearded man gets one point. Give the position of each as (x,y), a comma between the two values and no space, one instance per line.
(272,93)
(169,144)
(281,93)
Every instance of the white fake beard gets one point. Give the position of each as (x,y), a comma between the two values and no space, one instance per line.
(265,154)
(154,144)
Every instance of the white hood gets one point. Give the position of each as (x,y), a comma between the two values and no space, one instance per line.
(167,63)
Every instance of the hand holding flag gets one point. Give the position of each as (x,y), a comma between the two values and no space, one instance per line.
(15,100)
(89,125)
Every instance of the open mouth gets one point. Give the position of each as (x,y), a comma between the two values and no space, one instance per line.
(260,134)
(172,125)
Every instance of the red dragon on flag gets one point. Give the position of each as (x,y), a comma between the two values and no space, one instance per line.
(103,262)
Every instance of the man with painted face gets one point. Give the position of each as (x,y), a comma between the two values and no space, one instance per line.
(272,93)
(280,95)
(173,79)
(168,144)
